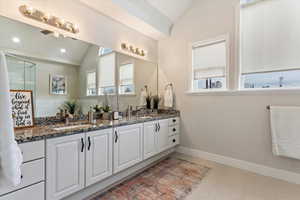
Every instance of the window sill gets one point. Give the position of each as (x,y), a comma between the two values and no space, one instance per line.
(278,91)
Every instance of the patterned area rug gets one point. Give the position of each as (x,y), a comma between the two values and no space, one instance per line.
(171,179)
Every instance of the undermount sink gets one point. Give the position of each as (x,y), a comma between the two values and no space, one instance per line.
(71,127)
(146,117)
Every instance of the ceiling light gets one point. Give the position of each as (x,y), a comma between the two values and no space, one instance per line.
(63,50)
(16,40)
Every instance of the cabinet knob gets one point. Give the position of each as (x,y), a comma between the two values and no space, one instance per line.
(21,176)
(174,120)
(174,140)
(174,129)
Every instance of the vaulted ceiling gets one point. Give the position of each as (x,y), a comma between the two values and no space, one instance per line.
(153,18)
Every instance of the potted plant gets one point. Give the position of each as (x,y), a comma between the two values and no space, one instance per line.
(97,110)
(71,107)
(106,108)
(106,112)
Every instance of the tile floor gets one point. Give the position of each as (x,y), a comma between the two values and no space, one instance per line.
(228,183)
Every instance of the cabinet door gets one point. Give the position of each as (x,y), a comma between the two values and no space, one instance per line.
(163,135)
(150,140)
(127,146)
(98,156)
(65,166)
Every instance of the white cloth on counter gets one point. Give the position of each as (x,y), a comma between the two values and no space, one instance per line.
(285,128)
(169,97)
(10,154)
(143,97)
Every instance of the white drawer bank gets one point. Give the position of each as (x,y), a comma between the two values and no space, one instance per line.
(33,174)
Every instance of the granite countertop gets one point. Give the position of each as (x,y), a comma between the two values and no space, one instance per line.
(41,132)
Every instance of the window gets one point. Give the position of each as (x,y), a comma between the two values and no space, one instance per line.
(103,51)
(106,70)
(209,65)
(269,44)
(126,79)
(91,84)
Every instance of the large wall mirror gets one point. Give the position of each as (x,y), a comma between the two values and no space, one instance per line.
(59,69)
(136,80)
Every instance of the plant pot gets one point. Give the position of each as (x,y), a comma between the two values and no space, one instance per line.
(148,105)
(106,116)
(155,105)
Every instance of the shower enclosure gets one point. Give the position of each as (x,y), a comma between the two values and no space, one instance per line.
(22,74)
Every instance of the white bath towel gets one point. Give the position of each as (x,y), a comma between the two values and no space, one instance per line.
(168,97)
(10,153)
(285,127)
(143,97)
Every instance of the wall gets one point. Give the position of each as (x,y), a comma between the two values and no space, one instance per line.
(229,124)
(94,27)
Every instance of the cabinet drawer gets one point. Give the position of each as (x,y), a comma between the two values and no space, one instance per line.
(173,121)
(33,150)
(174,140)
(173,130)
(32,172)
(34,192)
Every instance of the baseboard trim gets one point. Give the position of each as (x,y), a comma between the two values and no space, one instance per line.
(241,164)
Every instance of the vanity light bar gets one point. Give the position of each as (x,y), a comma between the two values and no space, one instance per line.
(134,50)
(48,19)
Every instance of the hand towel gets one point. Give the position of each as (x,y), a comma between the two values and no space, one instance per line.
(168,97)
(143,97)
(285,128)
(10,153)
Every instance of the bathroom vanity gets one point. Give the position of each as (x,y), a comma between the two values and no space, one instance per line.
(68,158)
(79,162)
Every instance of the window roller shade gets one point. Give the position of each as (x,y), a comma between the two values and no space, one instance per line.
(106,70)
(270,36)
(209,61)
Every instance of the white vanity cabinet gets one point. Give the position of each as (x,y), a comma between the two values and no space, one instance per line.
(98,156)
(163,135)
(65,166)
(77,161)
(127,146)
(33,174)
(156,137)
(150,139)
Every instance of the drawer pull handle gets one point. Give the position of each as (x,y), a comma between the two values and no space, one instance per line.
(82,145)
(116,137)
(89,140)
(174,129)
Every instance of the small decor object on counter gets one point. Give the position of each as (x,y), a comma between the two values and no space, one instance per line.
(58,84)
(22,108)
(156,101)
(148,101)
(116,115)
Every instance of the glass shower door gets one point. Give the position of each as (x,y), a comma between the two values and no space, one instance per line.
(22,74)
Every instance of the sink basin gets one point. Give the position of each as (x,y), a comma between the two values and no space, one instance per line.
(71,127)
(146,117)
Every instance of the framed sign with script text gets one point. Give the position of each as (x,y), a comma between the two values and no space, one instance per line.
(22,108)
